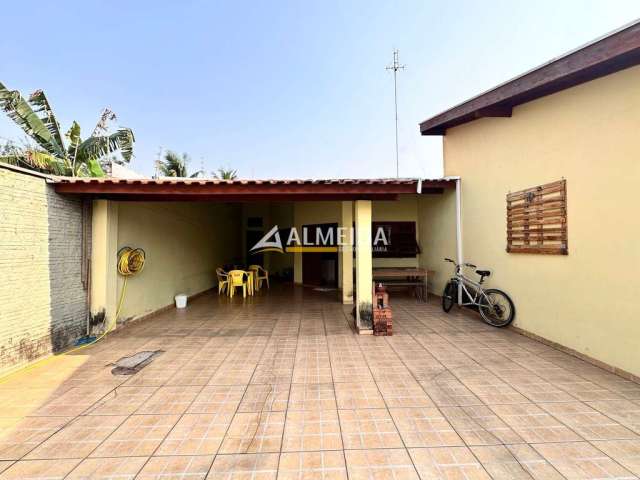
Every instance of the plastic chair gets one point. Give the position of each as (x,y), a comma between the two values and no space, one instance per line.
(223,280)
(259,275)
(237,278)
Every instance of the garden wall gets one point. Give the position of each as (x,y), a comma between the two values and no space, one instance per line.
(43,296)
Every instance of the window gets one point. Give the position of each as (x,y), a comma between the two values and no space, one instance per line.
(537,220)
(401,238)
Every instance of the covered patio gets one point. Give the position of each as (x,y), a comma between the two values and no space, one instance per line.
(280,386)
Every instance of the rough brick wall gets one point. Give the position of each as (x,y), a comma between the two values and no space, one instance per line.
(42,298)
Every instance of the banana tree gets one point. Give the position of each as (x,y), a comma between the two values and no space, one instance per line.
(54,153)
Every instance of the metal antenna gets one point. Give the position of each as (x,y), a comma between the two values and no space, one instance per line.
(395,67)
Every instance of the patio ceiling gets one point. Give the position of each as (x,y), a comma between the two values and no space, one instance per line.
(248,190)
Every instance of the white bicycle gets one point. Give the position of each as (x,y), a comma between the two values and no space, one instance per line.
(495,306)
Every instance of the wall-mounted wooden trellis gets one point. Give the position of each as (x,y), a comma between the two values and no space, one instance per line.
(537,220)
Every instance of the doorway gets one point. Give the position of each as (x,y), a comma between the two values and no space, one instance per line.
(321,268)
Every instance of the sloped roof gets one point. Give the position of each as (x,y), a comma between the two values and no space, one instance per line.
(613,52)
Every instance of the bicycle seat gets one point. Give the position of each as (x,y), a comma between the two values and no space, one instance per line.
(483,273)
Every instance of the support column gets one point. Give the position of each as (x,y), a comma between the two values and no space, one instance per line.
(104,251)
(346,252)
(364,264)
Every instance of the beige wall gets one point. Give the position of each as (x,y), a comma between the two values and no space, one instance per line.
(184,243)
(589,135)
(437,231)
(405,209)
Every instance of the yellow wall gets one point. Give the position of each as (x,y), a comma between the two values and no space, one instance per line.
(405,209)
(437,231)
(590,135)
(184,243)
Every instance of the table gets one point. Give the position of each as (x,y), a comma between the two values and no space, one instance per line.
(405,276)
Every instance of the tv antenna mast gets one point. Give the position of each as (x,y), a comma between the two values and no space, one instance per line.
(395,66)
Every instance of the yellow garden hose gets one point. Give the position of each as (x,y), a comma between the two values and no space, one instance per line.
(130,262)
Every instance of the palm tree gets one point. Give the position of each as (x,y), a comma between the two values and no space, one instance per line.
(52,154)
(175,165)
(225,174)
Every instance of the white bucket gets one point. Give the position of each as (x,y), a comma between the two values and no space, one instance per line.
(181,300)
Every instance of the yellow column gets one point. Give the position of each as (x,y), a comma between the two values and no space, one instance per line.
(104,251)
(346,253)
(364,264)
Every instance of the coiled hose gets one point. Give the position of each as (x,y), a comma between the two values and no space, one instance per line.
(130,262)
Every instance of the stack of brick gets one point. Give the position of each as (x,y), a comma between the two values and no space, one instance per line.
(382,316)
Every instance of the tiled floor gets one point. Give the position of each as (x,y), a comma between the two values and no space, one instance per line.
(279,387)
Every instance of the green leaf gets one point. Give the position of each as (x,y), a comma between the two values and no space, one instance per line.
(94,168)
(21,113)
(39,100)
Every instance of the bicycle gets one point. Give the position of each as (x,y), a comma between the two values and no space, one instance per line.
(495,306)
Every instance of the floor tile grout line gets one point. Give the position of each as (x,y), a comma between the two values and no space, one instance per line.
(335,397)
(533,403)
(469,447)
(286,414)
(393,421)
(434,403)
(183,413)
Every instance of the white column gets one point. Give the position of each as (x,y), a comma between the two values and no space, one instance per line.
(459,252)
(104,251)
(346,253)
(364,264)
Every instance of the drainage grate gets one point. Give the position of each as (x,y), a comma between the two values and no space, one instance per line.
(134,363)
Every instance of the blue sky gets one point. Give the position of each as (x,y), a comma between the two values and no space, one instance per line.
(289,89)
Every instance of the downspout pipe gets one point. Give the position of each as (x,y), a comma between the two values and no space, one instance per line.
(459,251)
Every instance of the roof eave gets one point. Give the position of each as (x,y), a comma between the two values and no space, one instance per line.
(614,52)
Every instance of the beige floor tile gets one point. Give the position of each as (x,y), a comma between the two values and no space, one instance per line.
(176,468)
(448,392)
(580,460)
(125,468)
(257,466)
(424,427)
(447,463)
(352,395)
(196,434)
(533,424)
(258,398)
(327,465)
(39,469)
(78,438)
(254,433)
(514,463)
(368,428)
(587,422)
(169,400)
(397,393)
(625,412)
(382,464)
(18,436)
(319,396)
(139,435)
(625,452)
(217,398)
(312,430)
(479,425)
(122,401)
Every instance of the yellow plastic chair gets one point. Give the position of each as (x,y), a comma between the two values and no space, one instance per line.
(223,280)
(237,278)
(259,275)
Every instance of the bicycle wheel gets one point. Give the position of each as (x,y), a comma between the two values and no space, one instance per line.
(449,296)
(500,312)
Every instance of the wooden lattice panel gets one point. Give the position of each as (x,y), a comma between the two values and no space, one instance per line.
(537,220)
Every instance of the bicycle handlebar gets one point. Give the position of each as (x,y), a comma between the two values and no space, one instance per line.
(470,265)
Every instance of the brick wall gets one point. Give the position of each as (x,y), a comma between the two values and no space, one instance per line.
(42,297)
